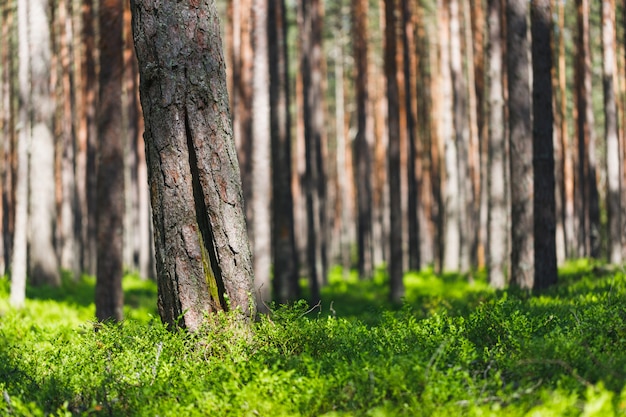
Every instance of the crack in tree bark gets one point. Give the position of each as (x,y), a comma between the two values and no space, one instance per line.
(210,262)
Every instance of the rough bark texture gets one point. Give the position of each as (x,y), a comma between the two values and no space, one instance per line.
(202,252)
(395,210)
(613,171)
(497,246)
(286,287)
(544,203)
(520,142)
(362,152)
(110,168)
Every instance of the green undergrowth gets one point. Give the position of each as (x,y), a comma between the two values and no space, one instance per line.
(451,349)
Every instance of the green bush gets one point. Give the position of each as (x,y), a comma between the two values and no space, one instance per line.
(453,349)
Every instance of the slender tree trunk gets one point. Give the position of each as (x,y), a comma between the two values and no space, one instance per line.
(462,139)
(566,145)
(543,151)
(200,231)
(497,248)
(362,152)
(311,68)
(520,142)
(261,165)
(70,215)
(110,167)
(587,199)
(19,260)
(286,287)
(395,210)
(613,194)
(43,264)
(408,48)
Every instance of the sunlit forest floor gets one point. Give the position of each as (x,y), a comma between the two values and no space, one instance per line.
(453,348)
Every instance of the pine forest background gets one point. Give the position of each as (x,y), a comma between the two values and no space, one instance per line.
(409,171)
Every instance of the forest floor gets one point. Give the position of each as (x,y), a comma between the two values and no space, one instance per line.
(453,348)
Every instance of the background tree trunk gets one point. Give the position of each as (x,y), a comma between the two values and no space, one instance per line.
(43,265)
(362,152)
(520,141)
(544,204)
(286,286)
(261,164)
(395,209)
(613,193)
(497,248)
(202,250)
(110,167)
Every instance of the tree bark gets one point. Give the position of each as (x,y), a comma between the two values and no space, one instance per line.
(203,257)
(261,164)
(362,151)
(110,166)
(285,256)
(395,210)
(497,247)
(43,265)
(613,168)
(544,204)
(520,142)
(19,260)
(315,181)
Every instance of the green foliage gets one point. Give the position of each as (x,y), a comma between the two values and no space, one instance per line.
(453,348)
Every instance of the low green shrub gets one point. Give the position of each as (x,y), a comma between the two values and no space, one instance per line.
(452,349)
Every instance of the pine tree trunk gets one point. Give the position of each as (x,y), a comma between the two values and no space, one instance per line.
(110,167)
(362,151)
(613,194)
(543,151)
(497,218)
(202,251)
(286,286)
(520,142)
(395,210)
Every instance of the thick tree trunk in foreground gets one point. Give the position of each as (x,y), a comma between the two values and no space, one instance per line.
(543,151)
(202,253)
(110,168)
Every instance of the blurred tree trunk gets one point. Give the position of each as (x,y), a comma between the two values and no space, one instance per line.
(261,164)
(285,265)
(467,227)
(497,248)
(203,256)
(395,210)
(520,142)
(362,151)
(413,168)
(543,151)
(243,73)
(315,181)
(566,146)
(43,265)
(587,200)
(613,194)
(69,225)
(110,167)
(19,258)
(451,186)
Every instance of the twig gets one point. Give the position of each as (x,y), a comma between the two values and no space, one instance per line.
(319,304)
